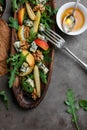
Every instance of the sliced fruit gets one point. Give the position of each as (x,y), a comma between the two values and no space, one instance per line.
(29,57)
(21,13)
(36,22)
(21,33)
(28,72)
(42,44)
(30,11)
(37,80)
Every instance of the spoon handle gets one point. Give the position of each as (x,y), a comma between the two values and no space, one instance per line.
(81,63)
(76,4)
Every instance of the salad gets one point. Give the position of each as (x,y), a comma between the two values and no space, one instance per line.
(32,56)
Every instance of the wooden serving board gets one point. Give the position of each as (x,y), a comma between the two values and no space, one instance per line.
(22,100)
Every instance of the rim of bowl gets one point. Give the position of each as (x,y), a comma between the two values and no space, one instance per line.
(61,10)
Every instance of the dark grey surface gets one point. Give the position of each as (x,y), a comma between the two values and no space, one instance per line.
(50,114)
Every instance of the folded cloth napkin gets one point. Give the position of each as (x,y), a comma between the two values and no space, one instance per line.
(5,36)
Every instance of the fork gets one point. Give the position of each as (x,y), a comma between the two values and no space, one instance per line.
(59,42)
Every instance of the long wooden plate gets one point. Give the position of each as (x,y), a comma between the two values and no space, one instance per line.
(24,102)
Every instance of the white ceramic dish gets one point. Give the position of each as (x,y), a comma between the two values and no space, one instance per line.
(61,11)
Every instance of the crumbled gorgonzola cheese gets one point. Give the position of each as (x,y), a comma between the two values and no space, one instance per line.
(28,23)
(33,47)
(24,67)
(41,27)
(17,46)
(43,67)
(41,1)
(42,37)
(30,81)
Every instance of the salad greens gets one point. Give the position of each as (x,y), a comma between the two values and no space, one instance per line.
(43,77)
(26,87)
(14,5)
(32,18)
(16,61)
(13,23)
(72,108)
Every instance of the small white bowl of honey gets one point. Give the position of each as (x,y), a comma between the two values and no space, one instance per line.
(80,17)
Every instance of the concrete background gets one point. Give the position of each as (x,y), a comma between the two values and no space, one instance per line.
(50,114)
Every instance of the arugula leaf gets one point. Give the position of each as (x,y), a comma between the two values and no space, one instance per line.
(14,5)
(13,23)
(16,62)
(26,87)
(4,98)
(32,37)
(72,109)
(43,77)
(22,1)
(47,58)
(51,11)
(83,104)
(31,76)
(34,2)
(46,17)
(47,51)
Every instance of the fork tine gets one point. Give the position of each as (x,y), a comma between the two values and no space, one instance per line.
(51,38)
(54,34)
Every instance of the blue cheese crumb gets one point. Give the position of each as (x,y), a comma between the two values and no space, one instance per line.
(30,82)
(43,67)
(33,47)
(42,37)
(17,46)
(41,27)
(24,67)
(28,23)
(41,1)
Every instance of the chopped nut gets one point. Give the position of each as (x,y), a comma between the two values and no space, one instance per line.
(38,56)
(26,32)
(24,45)
(39,7)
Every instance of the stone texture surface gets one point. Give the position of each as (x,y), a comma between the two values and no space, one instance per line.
(50,114)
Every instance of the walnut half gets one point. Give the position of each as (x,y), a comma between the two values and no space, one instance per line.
(38,56)
(39,7)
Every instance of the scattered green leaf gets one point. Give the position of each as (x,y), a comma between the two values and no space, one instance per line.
(83,104)
(4,98)
(72,109)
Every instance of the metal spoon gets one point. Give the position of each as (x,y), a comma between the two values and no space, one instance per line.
(69,21)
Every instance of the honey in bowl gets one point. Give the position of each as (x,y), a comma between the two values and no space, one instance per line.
(79,17)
